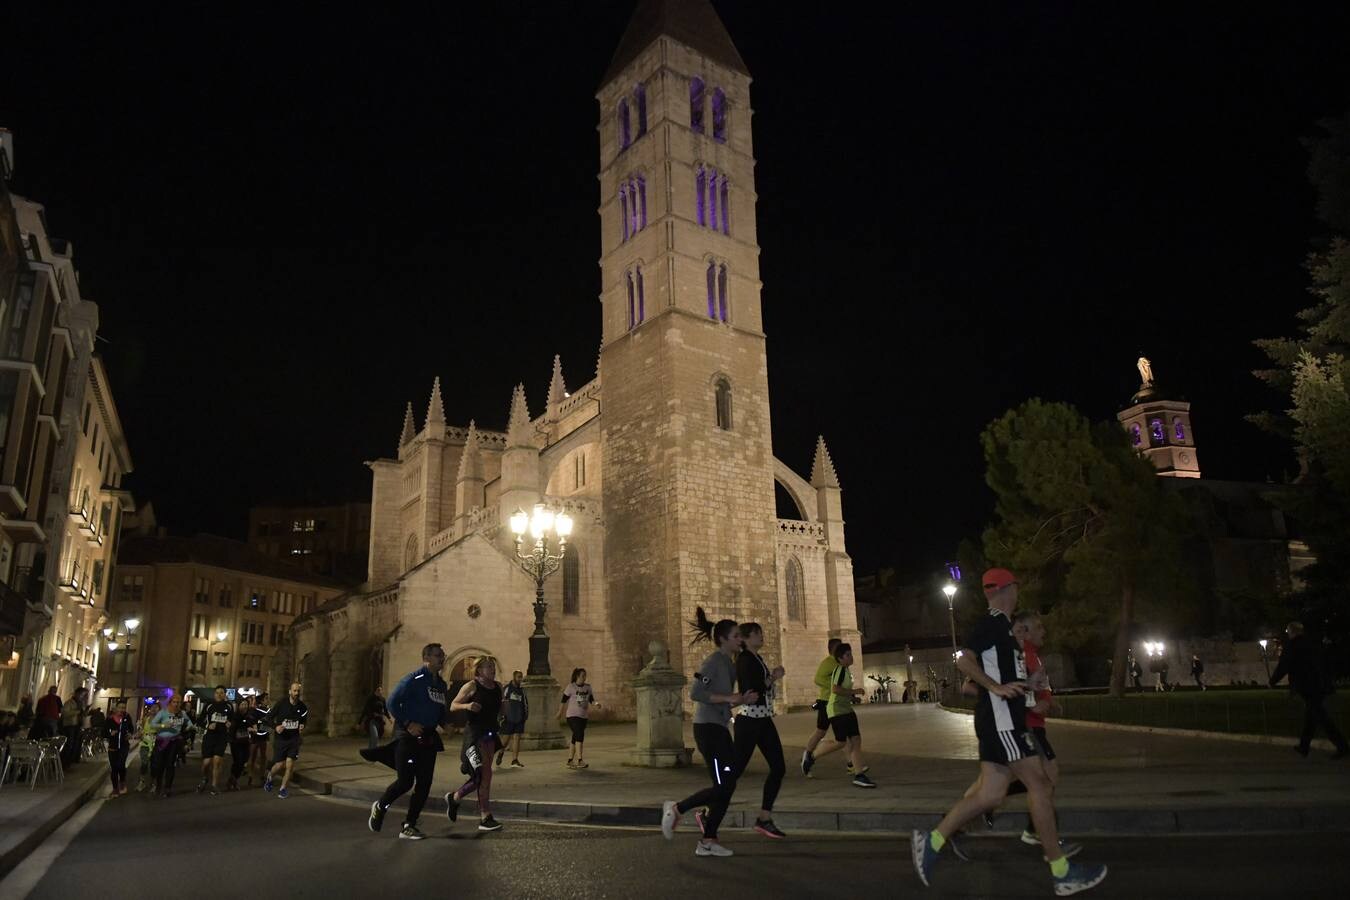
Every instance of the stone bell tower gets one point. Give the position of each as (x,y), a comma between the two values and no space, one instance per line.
(686,448)
(1159,426)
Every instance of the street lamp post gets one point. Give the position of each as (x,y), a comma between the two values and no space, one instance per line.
(541,689)
(949,589)
(1265,659)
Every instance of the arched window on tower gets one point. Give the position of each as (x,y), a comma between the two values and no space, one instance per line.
(571,582)
(712,290)
(723,402)
(632,207)
(625,134)
(700,187)
(719,113)
(642,201)
(628,276)
(722,292)
(696,104)
(640,100)
(796,601)
(1179,429)
(725,228)
(1157,435)
(712,197)
(1135,437)
(410,552)
(623,208)
(641,299)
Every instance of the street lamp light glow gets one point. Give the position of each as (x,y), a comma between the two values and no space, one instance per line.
(541,521)
(107,632)
(222,634)
(112,646)
(1263,642)
(133,623)
(520,520)
(950,590)
(563,524)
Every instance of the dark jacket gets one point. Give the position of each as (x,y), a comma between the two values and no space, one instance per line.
(419,697)
(118,734)
(1301,659)
(49,707)
(374,712)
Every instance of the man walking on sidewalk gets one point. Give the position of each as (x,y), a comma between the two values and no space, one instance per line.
(1302,661)
(418,705)
(994,661)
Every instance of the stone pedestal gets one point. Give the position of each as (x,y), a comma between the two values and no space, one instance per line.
(542,692)
(660,714)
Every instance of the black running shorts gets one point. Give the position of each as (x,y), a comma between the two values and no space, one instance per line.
(1043,743)
(578,724)
(1003,747)
(286,747)
(822,716)
(845,726)
(214,744)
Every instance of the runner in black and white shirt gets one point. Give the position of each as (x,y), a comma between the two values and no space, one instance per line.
(993,660)
(287,719)
(215,726)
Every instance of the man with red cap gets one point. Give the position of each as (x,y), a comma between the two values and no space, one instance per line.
(994,661)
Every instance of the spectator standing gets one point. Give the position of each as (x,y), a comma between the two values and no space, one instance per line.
(1303,662)
(515,712)
(1198,672)
(373,717)
(24,717)
(72,721)
(1136,673)
(47,721)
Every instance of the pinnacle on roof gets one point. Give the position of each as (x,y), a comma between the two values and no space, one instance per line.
(557,389)
(470,461)
(518,430)
(436,409)
(822,469)
(409,428)
(693,23)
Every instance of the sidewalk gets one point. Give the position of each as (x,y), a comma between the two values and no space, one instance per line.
(28,817)
(922,758)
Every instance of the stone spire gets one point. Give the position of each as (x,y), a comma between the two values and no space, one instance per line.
(693,23)
(470,461)
(409,428)
(822,469)
(557,389)
(518,431)
(436,409)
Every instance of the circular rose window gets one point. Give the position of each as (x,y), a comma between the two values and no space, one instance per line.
(474,610)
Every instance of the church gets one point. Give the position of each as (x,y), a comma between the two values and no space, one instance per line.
(664,459)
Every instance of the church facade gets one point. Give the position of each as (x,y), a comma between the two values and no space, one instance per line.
(664,459)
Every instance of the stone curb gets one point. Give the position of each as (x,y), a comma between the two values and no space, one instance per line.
(1255,819)
(1269,740)
(52,814)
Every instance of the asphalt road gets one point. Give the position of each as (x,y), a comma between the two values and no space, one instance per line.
(251,844)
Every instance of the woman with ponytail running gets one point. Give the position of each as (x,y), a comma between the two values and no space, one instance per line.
(754,725)
(714,694)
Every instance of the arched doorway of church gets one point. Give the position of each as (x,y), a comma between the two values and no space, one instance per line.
(460,672)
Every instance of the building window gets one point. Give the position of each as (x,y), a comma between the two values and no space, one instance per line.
(200,626)
(700,188)
(255,599)
(410,552)
(124,661)
(723,402)
(226,597)
(640,101)
(623,210)
(719,113)
(1179,429)
(1135,437)
(625,136)
(722,292)
(202,591)
(796,605)
(1156,433)
(642,201)
(197,662)
(712,198)
(133,588)
(712,290)
(632,307)
(571,585)
(641,298)
(219,663)
(252,633)
(726,229)
(579,471)
(696,104)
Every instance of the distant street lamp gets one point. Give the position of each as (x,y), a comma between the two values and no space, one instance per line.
(1265,659)
(539,564)
(950,590)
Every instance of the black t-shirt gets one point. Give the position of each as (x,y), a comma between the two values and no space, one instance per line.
(215,718)
(752,674)
(1000,658)
(290,716)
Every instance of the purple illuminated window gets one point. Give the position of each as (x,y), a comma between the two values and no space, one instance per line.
(640,99)
(700,186)
(1135,437)
(1179,429)
(725,229)
(629,277)
(712,290)
(719,105)
(641,304)
(722,293)
(632,208)
(712,197)
(623,209)
(642,201)
(1156,432)
(696,104)
(625,135)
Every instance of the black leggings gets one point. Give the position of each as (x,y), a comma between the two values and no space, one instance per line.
(761,733)
(117,768)
(1315,716)
(415,764)
(163,764)
(238,757)
(714,745)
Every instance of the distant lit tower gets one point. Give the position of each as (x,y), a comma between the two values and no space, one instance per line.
(1160,427)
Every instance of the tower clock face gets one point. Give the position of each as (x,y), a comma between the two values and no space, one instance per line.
(1185,458)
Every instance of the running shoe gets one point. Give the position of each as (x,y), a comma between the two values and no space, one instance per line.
(201,787)
(711,848)
(808,760)
(1030,837)
(376,820)
(957,851)
(581,764)
(670,817)
(451,806)
(1079,878)
(212,791)
(411,833)
(515,763)
(489,824)
(500,753)
(267,783)
(768,829)
(571,764)
(283,794)
(923,854)
(862,781)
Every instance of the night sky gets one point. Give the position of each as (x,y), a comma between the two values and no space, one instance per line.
(292,221)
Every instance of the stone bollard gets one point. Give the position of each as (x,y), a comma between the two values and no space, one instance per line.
(660,714)
(541,728)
